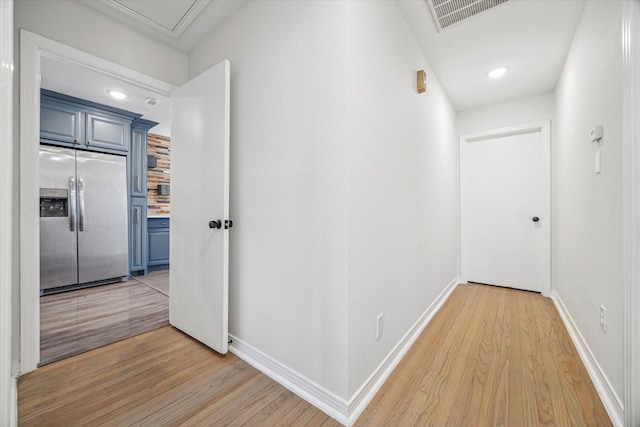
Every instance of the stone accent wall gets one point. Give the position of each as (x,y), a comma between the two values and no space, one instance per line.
(160,147)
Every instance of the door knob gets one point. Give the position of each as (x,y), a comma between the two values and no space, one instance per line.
(535,219)
(215,224)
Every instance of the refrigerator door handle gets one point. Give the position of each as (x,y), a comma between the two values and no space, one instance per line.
(81,204)
(72,203)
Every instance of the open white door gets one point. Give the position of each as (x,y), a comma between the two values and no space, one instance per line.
(198,303)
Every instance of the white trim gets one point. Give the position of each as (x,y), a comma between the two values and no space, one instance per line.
(544,127)
(13,412)
(318,396)
(611,401)
(8,404)
(372,385)
(175,33)
(631,210)
(32,49)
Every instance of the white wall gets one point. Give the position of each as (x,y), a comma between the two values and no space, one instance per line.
(403,185)
(588,258)
(288,247)
(339,171)
(84,28)
(516,112)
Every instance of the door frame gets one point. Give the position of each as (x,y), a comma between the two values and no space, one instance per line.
(8,395)
(32,49)
(544,128)
(631,208)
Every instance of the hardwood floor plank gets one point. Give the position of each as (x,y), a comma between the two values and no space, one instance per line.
(273,413)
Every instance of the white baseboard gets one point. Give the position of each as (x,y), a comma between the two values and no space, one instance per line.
(307,389)
(612,403)
(368,390)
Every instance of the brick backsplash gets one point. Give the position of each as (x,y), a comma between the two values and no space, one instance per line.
(160,147)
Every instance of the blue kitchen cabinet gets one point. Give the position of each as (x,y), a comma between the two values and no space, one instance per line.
(60,122)
(138,157)
(105,131)
(137,234)
(158,243)
(77,123)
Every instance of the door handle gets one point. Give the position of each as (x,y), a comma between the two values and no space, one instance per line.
(81,204)
(535,219)
(72,203)
(215,224)
(228,224)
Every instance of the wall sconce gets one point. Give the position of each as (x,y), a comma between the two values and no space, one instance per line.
(422,81)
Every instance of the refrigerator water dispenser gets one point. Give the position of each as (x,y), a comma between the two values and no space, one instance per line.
(54,202)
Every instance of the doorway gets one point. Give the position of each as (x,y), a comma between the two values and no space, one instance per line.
(33,49)
(206,99)
(505,215)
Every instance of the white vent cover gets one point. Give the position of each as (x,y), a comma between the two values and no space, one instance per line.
(448,12)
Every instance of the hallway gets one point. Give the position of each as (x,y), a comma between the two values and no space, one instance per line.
(491,356)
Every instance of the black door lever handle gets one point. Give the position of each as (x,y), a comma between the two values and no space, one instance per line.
(535,219)
(215,224)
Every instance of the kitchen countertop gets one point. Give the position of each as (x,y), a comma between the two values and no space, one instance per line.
(159,216)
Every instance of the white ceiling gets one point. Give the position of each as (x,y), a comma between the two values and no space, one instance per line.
(178,23)
(530,37)
(93,86)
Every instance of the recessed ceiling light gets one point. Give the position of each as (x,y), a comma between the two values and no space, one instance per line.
(496,73)
(117,94)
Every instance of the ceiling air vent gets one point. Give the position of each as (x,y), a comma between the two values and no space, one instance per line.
(448,12)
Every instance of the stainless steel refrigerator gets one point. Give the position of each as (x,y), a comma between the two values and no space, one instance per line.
(83,217)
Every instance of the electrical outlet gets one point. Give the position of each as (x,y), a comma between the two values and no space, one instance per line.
(603,318)
(379,326)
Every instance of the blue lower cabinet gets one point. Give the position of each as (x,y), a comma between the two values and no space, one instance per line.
(158,243)
(137,234)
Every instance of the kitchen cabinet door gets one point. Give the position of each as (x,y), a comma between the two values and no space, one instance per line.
(60,122)
(110,132)
(138,152)
(138,235)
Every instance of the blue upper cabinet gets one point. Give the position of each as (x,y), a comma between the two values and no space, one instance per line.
(138,157)
(105,131)
(69,121)
(60,122)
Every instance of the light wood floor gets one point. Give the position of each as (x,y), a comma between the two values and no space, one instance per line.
(77,321)
(160,378)
(490,357)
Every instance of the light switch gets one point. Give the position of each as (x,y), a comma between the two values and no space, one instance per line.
(598,161)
